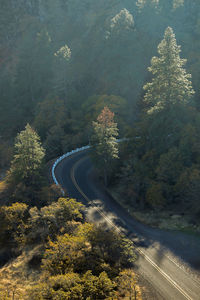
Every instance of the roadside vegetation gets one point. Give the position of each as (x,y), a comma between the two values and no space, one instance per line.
(48,250)
(91,72)
(60,82)
(51,253)
(160,161)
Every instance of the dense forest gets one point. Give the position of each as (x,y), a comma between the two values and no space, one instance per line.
(63,61)
(79,72)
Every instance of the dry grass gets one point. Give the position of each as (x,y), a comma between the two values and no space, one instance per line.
(16,276)
(2,186)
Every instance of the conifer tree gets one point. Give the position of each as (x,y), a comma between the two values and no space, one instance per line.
(27,162)
(170,84)
(105,147)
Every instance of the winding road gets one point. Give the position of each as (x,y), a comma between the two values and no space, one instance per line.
(169,262)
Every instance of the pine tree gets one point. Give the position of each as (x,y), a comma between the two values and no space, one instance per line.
(61,61)
(27,162)
(170,83)
(105,147)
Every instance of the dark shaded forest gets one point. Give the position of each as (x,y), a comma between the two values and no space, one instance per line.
(63,61)
(108,49)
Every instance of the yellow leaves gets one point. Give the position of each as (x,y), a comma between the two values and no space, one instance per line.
(72,286)
(71,259)
(127,285)
(86,230)
(65,253)
(70,207)
(15,213)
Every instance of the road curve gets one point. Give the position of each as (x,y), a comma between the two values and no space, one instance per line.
(166,260)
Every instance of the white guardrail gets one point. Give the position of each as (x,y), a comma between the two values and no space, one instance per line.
(67,155)
(63,157)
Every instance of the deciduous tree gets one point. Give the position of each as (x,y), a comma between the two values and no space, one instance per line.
(104,144)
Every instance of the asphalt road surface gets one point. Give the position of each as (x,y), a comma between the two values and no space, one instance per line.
(168,261)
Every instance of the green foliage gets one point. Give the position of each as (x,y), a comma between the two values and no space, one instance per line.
(32,34)
(52,219)
(51,66)
(64,52)
(25,175)
(21,225)
(58,287)
(173,4)
(141,3)
(170,84)
(93,106)
(66,254)
(104,145)
(72,260)
(72,287)
(28,158)
(34,62)
(164,149)
(120,22)
(187,189)
(127,285)
(13,224)
(113,248)
(88,248)
(50,113)
(61,64)
(154,195)
(75,260)
(189,143)
(170,166)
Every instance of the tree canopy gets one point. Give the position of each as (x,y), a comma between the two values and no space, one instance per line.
(104,144)
(170,84)
(28,157)
(25,174)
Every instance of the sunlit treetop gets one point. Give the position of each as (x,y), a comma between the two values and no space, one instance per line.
(170,83)
(28,157)
(123,19)
(141,3)
(106,117)
(64,52)
(157,3)
(120,22)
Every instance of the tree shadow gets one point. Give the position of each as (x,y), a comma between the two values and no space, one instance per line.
(183,246)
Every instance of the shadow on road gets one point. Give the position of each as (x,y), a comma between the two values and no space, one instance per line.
(184,246)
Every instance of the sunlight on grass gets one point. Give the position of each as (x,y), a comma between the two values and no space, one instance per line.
(16,276)
(2,186)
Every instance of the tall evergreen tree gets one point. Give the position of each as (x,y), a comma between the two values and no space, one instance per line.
(27,162)
(105,147)
(170,84)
